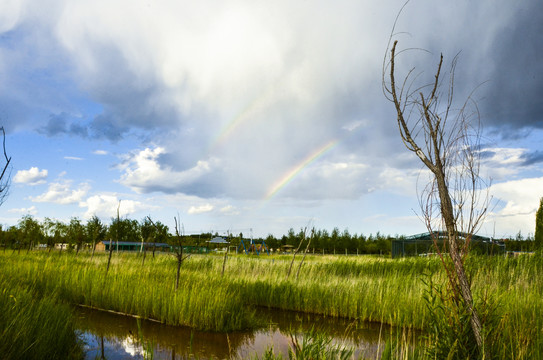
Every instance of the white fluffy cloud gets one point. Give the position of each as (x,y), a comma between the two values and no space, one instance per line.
(200,209)
(516,204)
(62,193)
(30,210)
(32,176)
(105,206)
(144,173)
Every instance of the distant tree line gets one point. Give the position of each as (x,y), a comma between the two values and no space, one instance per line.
(29,233)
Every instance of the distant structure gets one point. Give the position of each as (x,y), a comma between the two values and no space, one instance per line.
(423,244)
(137,247)
(254,247)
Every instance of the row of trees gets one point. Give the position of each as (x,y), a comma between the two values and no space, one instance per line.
(78,234)
(30,233)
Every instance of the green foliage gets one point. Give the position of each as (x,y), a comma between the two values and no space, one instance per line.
(311,345)
(450,335)
(33,327)
(538,236)
(201,302)
(364,288)
(316,346)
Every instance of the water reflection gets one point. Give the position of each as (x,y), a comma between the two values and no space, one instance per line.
(111,336)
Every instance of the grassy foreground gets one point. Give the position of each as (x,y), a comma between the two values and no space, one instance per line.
(35,328)
(365,288)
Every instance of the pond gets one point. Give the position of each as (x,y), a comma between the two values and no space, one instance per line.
(112,336)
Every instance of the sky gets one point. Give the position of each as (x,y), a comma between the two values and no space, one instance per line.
(257,116)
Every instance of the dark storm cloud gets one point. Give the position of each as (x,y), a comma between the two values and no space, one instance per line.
(515,83)
(487,154)
(58,125)
(105,127)
(532,158)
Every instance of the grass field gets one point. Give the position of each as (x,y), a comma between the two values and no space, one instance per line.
(364,287)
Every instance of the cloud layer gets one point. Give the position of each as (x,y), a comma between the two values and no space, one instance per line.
(229,101)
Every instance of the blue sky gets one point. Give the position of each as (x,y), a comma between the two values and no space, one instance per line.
(208,110)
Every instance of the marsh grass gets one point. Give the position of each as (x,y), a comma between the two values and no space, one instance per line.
(364,288)
(35,328)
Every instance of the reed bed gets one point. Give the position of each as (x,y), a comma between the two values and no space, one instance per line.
(357,287)
(147,292)
(35,328)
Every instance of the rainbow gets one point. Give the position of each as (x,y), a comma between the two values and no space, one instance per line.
(250,111)
(290,175)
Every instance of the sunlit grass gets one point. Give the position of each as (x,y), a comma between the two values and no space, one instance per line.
(34,327)
(358,287)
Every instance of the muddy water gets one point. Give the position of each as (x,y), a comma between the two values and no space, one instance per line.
(111,336)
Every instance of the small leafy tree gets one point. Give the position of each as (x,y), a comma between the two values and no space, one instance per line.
(31,232)
(96,231)
(76,234)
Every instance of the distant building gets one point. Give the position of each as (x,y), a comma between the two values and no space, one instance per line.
(136,246)
(423,244)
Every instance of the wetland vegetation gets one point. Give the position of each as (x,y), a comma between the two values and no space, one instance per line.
(365,288)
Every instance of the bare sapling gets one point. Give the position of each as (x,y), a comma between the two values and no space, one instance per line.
(4,177)
(445,138)
(305,252)
(178,252)
(224,261)
(302,239)
(116,236)
(144,249)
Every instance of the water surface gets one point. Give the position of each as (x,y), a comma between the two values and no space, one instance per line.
(112,336)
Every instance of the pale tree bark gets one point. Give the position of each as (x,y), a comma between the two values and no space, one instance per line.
(305,252)
(179,251)
(446,140)
(116,237)
(296,251)
(4,174)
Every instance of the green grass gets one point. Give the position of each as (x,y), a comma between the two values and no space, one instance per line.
(365,288)
(34,328)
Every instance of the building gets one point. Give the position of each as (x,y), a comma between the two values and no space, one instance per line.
(130,246)
(137,246)
(423,244)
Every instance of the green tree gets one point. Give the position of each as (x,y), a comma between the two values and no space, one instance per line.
(48,227)
(31,232)
(96,231)
(76,234)
(153,233)
(538,236)
(124,230)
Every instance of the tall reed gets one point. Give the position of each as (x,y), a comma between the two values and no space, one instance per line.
(364,288)
(35,328)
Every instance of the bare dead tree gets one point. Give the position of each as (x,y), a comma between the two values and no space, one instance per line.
(4,176)
(224,261)
(305,252)
(446,140)
(178,251)
(296,251)
(116,236)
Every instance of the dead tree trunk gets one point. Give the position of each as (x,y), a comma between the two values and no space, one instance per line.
(179,253)
(305,253)
(224,261)
(448,151)
(296,252)
(116,235)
